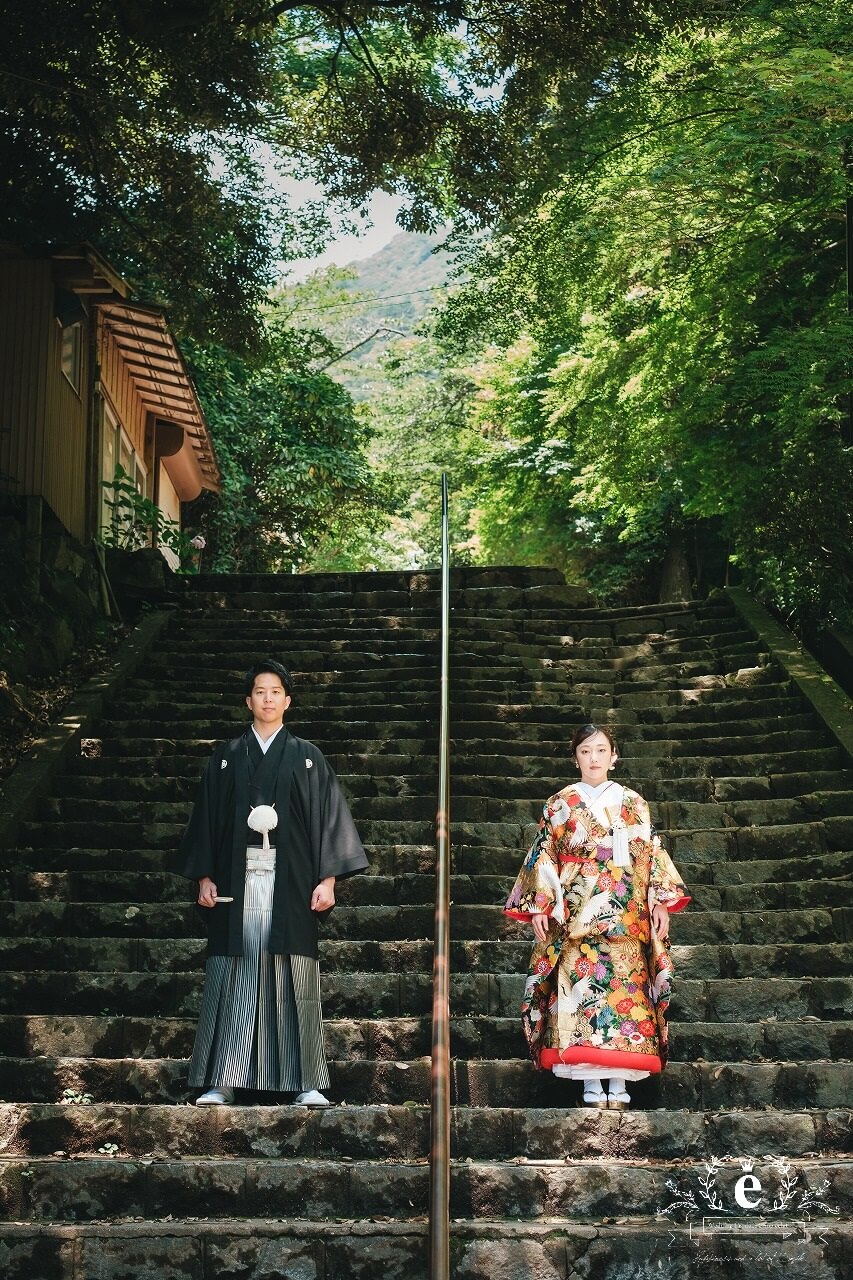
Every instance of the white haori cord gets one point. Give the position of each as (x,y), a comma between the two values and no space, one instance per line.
(263,818)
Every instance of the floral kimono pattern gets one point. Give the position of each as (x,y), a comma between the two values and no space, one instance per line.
(598,988)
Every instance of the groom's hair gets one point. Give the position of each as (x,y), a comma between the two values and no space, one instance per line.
(267,666)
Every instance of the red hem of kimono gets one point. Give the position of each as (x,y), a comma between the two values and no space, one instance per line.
(679,905)
(524,916)
(610,1058)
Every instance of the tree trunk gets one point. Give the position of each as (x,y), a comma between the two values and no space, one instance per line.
(675,583)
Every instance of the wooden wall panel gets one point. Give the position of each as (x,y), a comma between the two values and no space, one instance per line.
(66,419)
(120,390)
(42,418)
(26,313)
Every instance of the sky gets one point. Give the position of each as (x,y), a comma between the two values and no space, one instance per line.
(377,229)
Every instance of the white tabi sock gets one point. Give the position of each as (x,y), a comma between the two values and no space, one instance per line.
(616,1086)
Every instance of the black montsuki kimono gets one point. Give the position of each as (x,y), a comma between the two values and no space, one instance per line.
(315,837)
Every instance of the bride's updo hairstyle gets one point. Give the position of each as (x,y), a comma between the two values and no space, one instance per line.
(589,731)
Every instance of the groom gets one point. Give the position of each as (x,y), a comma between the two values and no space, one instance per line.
(262,884)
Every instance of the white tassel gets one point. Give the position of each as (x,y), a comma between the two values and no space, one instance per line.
(263,818)
(621,852)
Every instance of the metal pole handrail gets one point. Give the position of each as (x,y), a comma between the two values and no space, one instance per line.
(439,1187)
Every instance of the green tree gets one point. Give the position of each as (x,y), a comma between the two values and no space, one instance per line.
(151,127)
(671,323)
(290,445)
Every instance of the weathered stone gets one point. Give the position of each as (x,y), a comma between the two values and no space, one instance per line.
(365,1257)
(257,1258)
(106,1256)
(509,1259)
(103,965)
(95,1188)
(24,1257)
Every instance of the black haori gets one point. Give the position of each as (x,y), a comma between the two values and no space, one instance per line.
(315,837)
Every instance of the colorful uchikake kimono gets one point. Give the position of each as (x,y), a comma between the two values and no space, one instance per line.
(598,988)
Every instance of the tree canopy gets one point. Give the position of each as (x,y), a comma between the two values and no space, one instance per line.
(663,344)
(290,443)
(647,354)
(153,127)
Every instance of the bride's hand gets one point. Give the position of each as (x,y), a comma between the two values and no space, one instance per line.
(660,919)
(540,925)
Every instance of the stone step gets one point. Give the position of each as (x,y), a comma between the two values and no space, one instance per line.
(513,1082)
(346,992)
(412,889)
(173,920)
(396,859)
(358,998)
(729,857)
(103,1187)
(197,749)
(834,834)
(490,1037)
(319,662)
(407,805)
(315,669)
(103,779)
(349,1250)
(388,923)
(150,956)
(231,637)
(640,749)
(657,627)
(73,836)
(629,719)
(547,708)
(527,756)
(170,760)
(700,994)
(414,580)
(351,648)
(477,607)
(280,591)
(150,965)
(402,1132)
(511,1249)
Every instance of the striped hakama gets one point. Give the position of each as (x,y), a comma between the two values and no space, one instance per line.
(261,1022)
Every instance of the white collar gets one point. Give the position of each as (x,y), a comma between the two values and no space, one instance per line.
(266,743)
(595,793)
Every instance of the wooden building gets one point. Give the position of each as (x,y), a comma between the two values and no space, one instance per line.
(89,380)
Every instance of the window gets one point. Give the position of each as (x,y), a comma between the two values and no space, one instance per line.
(71,357)
(117,451)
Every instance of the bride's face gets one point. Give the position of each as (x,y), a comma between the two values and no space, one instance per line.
(594,757)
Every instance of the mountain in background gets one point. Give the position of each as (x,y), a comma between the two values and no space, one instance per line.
(406,277)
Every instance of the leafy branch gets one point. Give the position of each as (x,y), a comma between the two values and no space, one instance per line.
(135,521)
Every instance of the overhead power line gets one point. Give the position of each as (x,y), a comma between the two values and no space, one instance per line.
(369,302)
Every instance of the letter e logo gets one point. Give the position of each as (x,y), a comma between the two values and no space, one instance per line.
(747,1183)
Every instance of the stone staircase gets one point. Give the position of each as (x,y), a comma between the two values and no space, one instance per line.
(105,1172)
